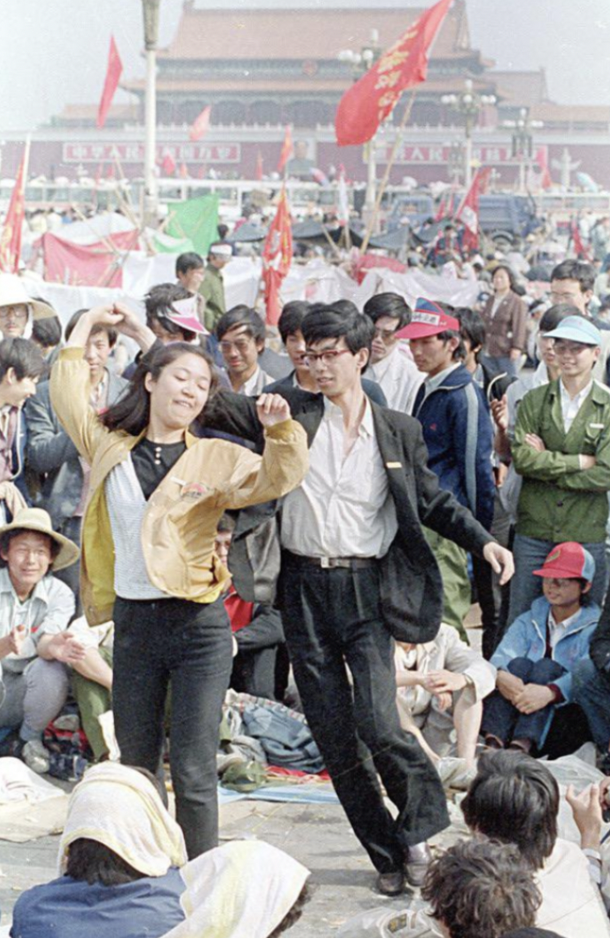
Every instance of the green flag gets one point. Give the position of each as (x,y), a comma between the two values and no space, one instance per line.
(197,220)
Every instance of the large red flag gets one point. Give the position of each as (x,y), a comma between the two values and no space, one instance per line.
(201,124)
(373,98)
(287,150)
(10,241)
(541,158)
(113,73)
(468,212)
(277,256)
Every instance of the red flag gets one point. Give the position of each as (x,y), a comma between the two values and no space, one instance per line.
(113,74)
(201,124)
(258,172)
(442,208)
(287,150)
(468,212)
(277,256)
(168,165)
(582,252)
(541,158)
(369,101)
(10,241)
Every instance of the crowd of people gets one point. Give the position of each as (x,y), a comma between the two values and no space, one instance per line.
(187,506)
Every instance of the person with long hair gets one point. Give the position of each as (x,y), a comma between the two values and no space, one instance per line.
(148,562)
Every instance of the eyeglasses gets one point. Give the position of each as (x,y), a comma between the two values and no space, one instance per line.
(327,357)
(386,335)
(571,348)
(14,312)
(242,345)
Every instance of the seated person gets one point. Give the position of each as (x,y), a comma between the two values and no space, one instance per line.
(514,799)
(51,454)
(260,666)
(537,656)
(591,686)
(478,889)
(441,685)
(35,649)
(125,873)
(289,325)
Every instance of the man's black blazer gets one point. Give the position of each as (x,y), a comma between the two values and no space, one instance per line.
(410,581)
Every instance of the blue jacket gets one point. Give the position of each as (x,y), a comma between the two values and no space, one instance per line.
(526,638)
(458,434)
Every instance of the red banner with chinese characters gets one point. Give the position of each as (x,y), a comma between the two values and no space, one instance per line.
(10,241)
(277,257)
(405,64)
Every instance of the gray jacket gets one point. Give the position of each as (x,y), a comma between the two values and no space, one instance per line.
(51,454)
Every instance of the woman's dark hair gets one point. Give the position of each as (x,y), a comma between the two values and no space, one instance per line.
(514,799)
(479,889)
(158,305)
(554,314)
(47,332)
(7,537)
(329,321)
(92,862)
(97,328)
(294,914)
(472,327)
(389,304)
(131,413)
(242,315)
(511,276)
(291,318)
(23,357)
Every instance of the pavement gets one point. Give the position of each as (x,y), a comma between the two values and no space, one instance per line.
(317,835)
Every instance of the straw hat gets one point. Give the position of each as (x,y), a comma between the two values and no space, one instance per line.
(37,519)
(13,292)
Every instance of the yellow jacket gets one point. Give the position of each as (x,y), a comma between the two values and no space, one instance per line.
(182,514)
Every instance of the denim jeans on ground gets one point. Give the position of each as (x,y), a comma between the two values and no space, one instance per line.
(530,553)
(591,690)
(502,719)
(188,644)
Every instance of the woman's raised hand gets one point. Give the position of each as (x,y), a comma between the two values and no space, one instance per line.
(272,409)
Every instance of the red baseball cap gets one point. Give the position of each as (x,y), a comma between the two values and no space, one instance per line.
(568,561)
(428,319)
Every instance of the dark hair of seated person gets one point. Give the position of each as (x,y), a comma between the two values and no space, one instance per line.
(294,914)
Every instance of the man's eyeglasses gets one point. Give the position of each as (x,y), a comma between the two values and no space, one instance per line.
(327,357)
(386,335)
(570,348)
(20,313)
(242,345)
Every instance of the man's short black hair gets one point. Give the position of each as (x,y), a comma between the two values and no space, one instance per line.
(158,305)
(23,357)
(190,260)
(514,799)
(472,327)
(291,318)
(242,316)
(47,332)
(575,270)
(551,318)
(389,304)
(330,321)
(480,889)
(97,328)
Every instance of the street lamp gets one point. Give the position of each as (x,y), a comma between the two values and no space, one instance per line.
(361,62)
(522,141)
(468,103)
(150,9)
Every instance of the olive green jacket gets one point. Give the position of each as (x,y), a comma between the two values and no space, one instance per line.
(213,291)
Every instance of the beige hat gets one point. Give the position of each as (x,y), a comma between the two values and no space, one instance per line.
(12,292)
(37,519)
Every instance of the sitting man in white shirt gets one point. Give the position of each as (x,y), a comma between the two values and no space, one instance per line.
(391,365)
(241,338)
(35,649)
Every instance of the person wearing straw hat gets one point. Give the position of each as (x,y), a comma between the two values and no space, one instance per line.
(123,870)
(18,310)
(35,649)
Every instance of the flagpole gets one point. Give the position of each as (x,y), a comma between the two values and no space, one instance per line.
(388,170)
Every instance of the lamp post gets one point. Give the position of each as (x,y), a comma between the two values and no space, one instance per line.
(361,62)
(468,103)
(150,9)
(522,142)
